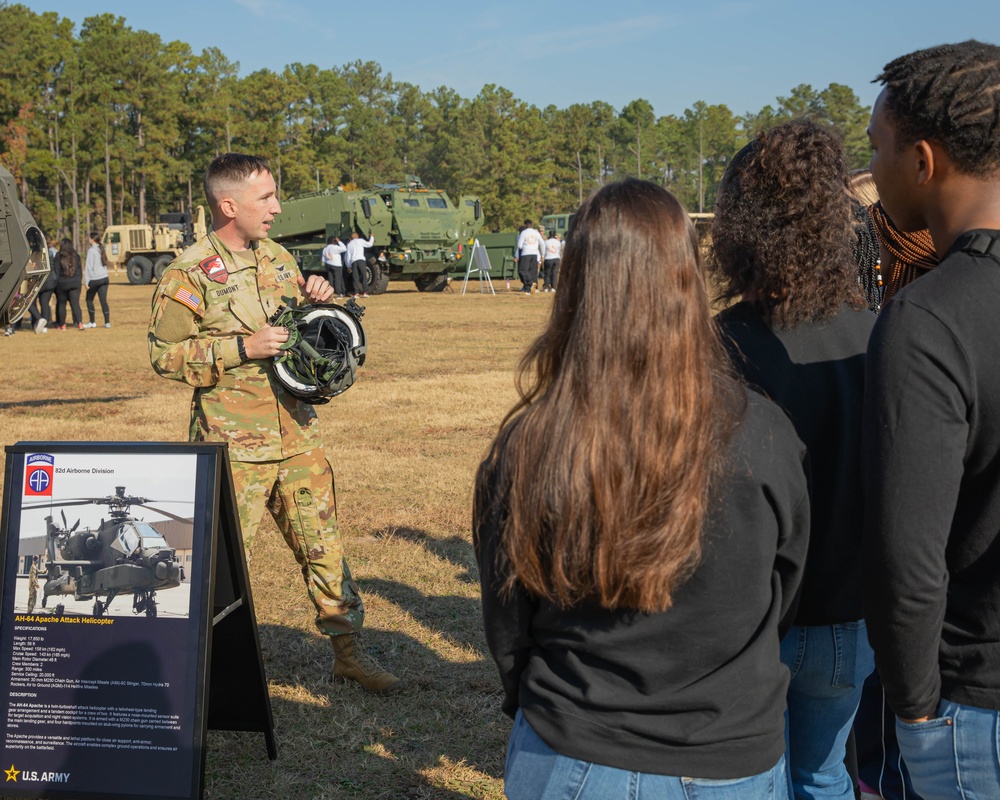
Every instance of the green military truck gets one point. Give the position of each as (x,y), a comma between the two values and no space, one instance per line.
(556,223)
(500,246)
(420,235)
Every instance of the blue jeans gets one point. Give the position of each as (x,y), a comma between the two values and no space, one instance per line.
(879,763)
(537,772)
(828,664)
(954,755)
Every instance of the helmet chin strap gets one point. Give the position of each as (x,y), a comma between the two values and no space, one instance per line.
(325,347)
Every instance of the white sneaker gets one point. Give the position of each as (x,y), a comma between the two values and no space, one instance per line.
(40,325)
(107,324)
(89,324)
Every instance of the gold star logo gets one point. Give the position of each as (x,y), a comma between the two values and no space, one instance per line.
(12,773)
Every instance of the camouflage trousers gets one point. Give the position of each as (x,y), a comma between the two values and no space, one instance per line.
(32,597)
(299,492)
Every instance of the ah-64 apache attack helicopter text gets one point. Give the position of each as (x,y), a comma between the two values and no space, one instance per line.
(122,555)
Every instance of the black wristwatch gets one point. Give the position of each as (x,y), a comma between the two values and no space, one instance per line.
(241,348)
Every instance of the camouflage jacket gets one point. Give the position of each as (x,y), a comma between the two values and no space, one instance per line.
(207,298)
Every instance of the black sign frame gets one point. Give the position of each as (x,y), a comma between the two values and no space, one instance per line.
(213,656)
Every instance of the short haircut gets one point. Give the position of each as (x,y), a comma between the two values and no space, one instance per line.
(228,171)
(950,95)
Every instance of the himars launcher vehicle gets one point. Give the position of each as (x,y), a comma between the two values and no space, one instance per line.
(420,235)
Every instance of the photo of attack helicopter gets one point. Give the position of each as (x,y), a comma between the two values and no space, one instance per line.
(122,555)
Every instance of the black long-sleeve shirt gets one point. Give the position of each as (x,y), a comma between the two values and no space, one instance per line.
(698,689)
(932,474)
(815,371)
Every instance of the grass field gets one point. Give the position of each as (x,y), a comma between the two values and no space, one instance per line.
(405,442)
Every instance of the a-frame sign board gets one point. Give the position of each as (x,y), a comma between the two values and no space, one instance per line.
(127,627)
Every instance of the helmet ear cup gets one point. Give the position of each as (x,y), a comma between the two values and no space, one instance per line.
(326,348)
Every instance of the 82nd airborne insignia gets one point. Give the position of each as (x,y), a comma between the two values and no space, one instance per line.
(214,269)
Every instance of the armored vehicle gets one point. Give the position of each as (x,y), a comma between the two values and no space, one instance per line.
(556,223)
(419,234)
(147,250)
(500,246)
(24,259)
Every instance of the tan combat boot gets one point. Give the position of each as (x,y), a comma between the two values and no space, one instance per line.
(350,662)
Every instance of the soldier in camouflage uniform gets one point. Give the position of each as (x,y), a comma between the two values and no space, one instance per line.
(33,584)
(209,329)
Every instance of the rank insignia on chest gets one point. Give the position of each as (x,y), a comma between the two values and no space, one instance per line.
(214,269)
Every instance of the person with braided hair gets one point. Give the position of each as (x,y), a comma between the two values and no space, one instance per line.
(863,193)
(904,256)
(888,259)
(782,239)
(932,422)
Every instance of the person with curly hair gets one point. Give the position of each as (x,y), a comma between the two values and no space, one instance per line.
(782,244)
(932,422)
(640,525)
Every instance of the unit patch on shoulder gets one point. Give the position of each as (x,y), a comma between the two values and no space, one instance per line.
(186,297)
(214,269)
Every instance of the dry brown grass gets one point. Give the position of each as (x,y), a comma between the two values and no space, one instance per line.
(405,442)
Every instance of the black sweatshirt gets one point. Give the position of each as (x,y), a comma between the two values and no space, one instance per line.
(932,474)
(815,372)
(699,689)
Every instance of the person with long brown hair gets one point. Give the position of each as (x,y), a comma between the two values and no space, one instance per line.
(95,278)
(68,279)
(782,242)
(640,525)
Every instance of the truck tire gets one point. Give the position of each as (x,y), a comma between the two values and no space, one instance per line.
(434,282)
(378,278)
(160,266)
(139,270)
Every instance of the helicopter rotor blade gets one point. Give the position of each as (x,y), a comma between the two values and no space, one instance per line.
(165,513)
(75,501)
(65,523)
(75,526)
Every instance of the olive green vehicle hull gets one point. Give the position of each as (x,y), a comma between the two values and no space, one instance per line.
(419,234)
(500,250)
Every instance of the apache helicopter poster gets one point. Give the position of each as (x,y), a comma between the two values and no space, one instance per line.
(106,620)
(113,558)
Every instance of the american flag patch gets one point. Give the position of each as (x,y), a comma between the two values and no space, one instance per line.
(188,298)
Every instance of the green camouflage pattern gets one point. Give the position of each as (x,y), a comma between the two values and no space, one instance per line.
(301,496)
(192,338)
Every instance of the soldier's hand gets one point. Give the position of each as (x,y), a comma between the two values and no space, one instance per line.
(316,289)
(266,342)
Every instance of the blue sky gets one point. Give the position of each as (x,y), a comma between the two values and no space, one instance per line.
(743,53)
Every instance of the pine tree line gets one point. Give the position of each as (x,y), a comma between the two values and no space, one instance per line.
(109,125)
